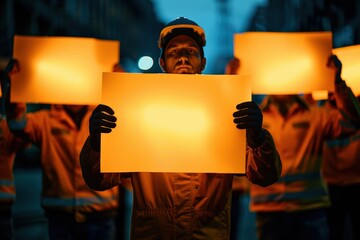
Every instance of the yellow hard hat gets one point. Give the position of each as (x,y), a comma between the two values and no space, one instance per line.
(179,26)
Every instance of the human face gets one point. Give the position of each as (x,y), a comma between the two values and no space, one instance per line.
(182,55)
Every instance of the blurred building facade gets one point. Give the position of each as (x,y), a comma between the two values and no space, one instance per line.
(340,17)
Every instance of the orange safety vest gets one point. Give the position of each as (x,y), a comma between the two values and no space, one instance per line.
(299,138)
(7,156)
(60,142)
(341,165)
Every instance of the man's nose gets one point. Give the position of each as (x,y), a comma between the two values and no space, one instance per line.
(183,59)
(183,56)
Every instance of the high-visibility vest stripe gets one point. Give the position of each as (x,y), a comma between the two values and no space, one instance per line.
(312,182)
(342,142)
(4,195)
(6,182)
(311,194)
(300,177)
(17,124)
(69,202)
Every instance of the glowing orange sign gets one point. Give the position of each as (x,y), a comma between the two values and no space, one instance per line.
(350,58)
(65,70)
(285,63)
(174,123)
(320,95)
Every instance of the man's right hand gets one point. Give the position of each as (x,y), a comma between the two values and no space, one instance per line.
(233,66)
(102,120)
(334,63)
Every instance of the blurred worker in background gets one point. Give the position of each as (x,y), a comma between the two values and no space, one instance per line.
(8,146)
(73,210)
(341,170)
(7,185)
(295,206)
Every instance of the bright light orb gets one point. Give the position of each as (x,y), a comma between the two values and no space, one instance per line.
(145,63)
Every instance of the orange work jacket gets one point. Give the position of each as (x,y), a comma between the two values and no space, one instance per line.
(183,205)
(60,141)
(341,165)
(7,156)
(299,138)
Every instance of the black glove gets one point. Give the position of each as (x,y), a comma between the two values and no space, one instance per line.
(335,63)
(101,121)
(249,117)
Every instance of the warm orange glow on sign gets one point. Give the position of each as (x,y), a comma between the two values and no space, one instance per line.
(174,123)
(64,70)
(183,120)
(320,95)
(350,58)
(285,63)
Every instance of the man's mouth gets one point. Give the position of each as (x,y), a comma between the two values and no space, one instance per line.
(183,67)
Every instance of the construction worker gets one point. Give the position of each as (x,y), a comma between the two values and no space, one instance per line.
(295,206)
(183,205)
(73,210)
(9,145)
(341,171)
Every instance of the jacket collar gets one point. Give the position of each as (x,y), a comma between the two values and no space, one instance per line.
(269,100)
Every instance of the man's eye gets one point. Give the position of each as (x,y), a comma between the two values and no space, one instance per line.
(193,51)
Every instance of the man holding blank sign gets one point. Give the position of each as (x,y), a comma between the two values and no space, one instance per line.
(72,209)
(183,205)
(295,206)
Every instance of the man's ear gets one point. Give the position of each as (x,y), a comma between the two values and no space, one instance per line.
(203,64)
(162,64)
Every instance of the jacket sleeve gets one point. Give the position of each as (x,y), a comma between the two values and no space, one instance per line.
(90,167)
(346,100)
(263,164)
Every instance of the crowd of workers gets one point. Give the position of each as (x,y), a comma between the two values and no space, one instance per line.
(302,172)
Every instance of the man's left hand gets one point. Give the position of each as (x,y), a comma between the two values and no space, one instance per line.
(249,116)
